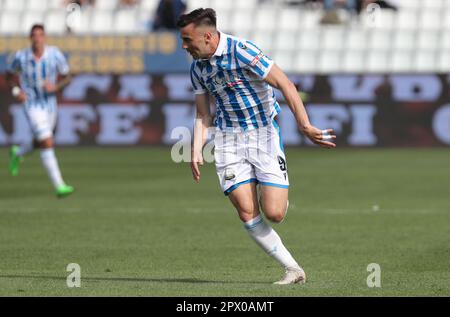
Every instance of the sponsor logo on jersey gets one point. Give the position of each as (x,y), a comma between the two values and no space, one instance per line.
(237,81)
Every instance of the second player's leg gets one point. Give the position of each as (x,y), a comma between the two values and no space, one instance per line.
(43,123)
(50,162)
(47,143)
(274,202)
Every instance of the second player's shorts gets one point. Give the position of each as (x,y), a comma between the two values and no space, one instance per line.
(252,156)
(42,121)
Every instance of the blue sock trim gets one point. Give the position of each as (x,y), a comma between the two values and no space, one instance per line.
(253,225)
(273,185)
(229,190)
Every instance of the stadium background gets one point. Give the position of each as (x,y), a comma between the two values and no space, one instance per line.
(380,78)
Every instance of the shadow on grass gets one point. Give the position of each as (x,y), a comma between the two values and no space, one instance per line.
(131,279)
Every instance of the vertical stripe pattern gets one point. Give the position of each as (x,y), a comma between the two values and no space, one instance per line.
(35,72)
(235,75)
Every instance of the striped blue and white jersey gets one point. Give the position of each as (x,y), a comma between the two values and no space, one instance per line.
(234,76)
(34,73)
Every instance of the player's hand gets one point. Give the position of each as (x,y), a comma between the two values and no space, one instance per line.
(196,160)
(322,138)
(50,88)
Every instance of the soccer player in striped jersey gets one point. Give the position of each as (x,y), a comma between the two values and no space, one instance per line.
(248,147)
(38,67)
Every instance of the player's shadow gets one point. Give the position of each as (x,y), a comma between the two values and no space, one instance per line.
(133,279)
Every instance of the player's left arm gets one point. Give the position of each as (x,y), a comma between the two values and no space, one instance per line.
(277,79)
(60,84)
(63,70)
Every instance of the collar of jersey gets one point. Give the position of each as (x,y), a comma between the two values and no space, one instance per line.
(30,52)
(222,44)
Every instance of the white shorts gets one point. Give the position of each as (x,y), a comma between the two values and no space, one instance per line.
(252,156)
(42,121)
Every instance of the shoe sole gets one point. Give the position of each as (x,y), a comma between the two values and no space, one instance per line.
(299,280)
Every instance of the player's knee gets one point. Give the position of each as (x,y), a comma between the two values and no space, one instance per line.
(276,217)
(275,214)
(46,143)
(273,211)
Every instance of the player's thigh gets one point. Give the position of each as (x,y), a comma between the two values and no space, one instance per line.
(40,122)
(268,158)
(53,117)
(233,170)
(245,200)
(269,161)
(274,202)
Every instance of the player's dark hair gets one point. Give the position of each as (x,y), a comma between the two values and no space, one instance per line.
(199,17)
(37,27)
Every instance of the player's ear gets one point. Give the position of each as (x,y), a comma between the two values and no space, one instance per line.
(208,36)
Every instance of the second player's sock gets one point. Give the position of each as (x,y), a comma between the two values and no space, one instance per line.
(270,242)
(25,148)
(51,165)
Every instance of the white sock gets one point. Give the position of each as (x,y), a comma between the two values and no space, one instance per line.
(51,165)
(25,148)
(270,242)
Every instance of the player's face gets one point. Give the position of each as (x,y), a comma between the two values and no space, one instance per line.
(195,41)
(37,38)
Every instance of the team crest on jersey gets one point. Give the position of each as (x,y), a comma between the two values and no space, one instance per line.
(225,81)
(219,81)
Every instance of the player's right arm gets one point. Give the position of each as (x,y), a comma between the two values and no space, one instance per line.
(201,125)
(13,68)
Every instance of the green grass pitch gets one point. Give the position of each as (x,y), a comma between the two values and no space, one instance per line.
(139,226)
